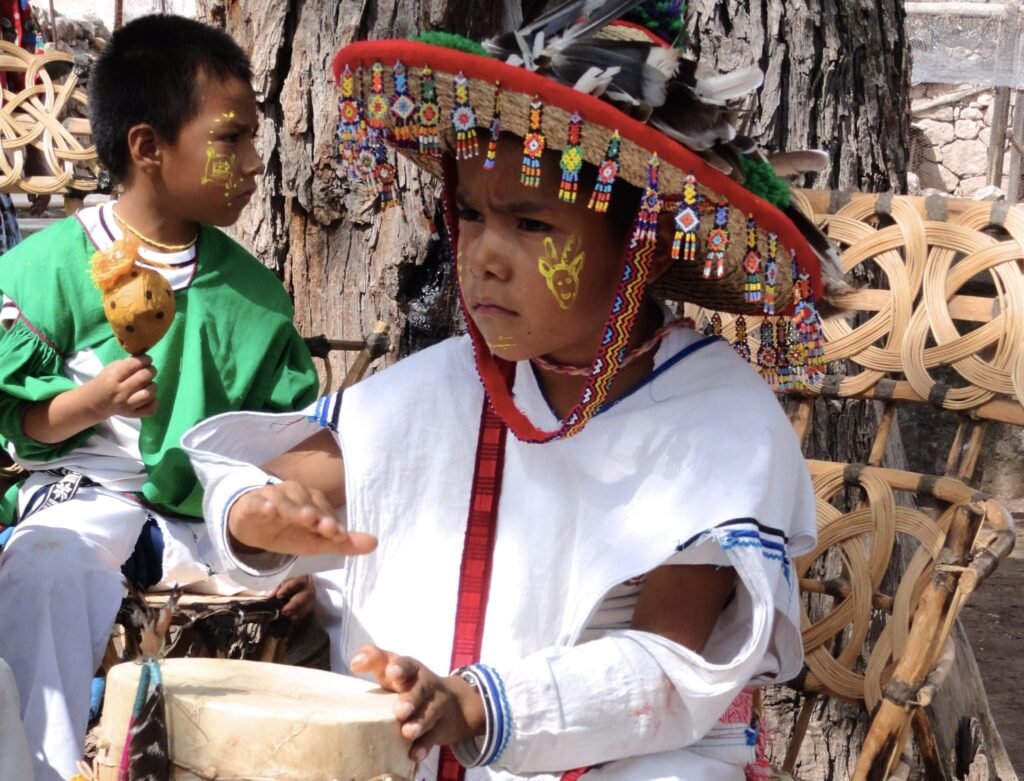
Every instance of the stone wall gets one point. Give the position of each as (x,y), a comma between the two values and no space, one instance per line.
(951,142)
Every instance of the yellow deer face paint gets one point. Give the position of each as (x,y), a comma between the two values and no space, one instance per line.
(220,167)
(562,273)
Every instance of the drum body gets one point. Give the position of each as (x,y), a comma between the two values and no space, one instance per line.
(251,720)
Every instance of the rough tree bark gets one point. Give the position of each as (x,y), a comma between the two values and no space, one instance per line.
(836,78)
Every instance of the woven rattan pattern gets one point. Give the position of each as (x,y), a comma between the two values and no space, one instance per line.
(908,321)
(49,115)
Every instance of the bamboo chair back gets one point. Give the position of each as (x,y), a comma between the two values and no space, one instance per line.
(941,323)
(50,116)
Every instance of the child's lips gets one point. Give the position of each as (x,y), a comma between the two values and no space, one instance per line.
(487,307)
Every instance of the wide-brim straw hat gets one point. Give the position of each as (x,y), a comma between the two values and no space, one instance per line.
(736,252)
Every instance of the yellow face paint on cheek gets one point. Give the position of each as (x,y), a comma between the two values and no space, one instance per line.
(502,343)
(562,271)
(220,167)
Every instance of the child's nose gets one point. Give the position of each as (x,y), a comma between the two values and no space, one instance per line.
(251,163)
(488,256)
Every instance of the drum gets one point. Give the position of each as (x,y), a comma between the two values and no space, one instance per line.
(236,719)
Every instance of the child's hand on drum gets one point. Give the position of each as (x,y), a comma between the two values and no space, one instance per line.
(298,595)
(432,710)
(289,518)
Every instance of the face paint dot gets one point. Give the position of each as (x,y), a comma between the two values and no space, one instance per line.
(130,329)
(159,315)
(113,305)
(149,295)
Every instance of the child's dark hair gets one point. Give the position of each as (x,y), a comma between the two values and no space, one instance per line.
(149,74)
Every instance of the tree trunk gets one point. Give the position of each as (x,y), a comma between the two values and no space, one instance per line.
(837,77)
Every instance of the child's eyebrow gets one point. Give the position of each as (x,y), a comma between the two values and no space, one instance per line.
(233,124)
(521,206)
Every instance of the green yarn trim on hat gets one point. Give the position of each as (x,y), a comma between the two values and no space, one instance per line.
(760,178)
(665,18)
(450,41)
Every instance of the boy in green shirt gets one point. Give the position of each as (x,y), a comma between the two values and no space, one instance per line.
(174,119)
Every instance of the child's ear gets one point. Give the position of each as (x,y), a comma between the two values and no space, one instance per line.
(145,149)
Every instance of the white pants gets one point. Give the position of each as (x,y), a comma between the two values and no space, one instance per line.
(14,757)
(60,589)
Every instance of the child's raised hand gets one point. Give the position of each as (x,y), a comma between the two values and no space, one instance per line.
(125,388)
(289,518)
(432,711)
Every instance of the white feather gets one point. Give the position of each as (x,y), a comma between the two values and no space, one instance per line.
(596,80)
(728,86)
(798,162)
(665,60)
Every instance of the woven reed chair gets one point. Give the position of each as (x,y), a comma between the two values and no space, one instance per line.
(942,325)
(50,116)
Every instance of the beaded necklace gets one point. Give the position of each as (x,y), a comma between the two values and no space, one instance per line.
(153,242)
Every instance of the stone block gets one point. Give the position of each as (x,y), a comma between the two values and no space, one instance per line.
(938,114)
(972,112)
(966,158)
(966,129)
(937,132)
(972,186)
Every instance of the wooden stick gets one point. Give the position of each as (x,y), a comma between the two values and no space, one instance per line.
(997,142)
(803,719)
(1016,143)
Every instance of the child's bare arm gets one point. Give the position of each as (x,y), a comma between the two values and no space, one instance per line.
(666,605)
(124,388)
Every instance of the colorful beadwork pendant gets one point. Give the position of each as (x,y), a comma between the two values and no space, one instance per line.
(741,345)
(771,274)
(533,145)
(687,220)
(783,341)
(752,292)
(607,173)
(767,357)
(350,118)
(718,243)
(429,115)
(492,144)
(403,108)
(572,161)
(464,121)
(650,206)
(377,106)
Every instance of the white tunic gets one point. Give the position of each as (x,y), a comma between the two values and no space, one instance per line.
(697,465)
